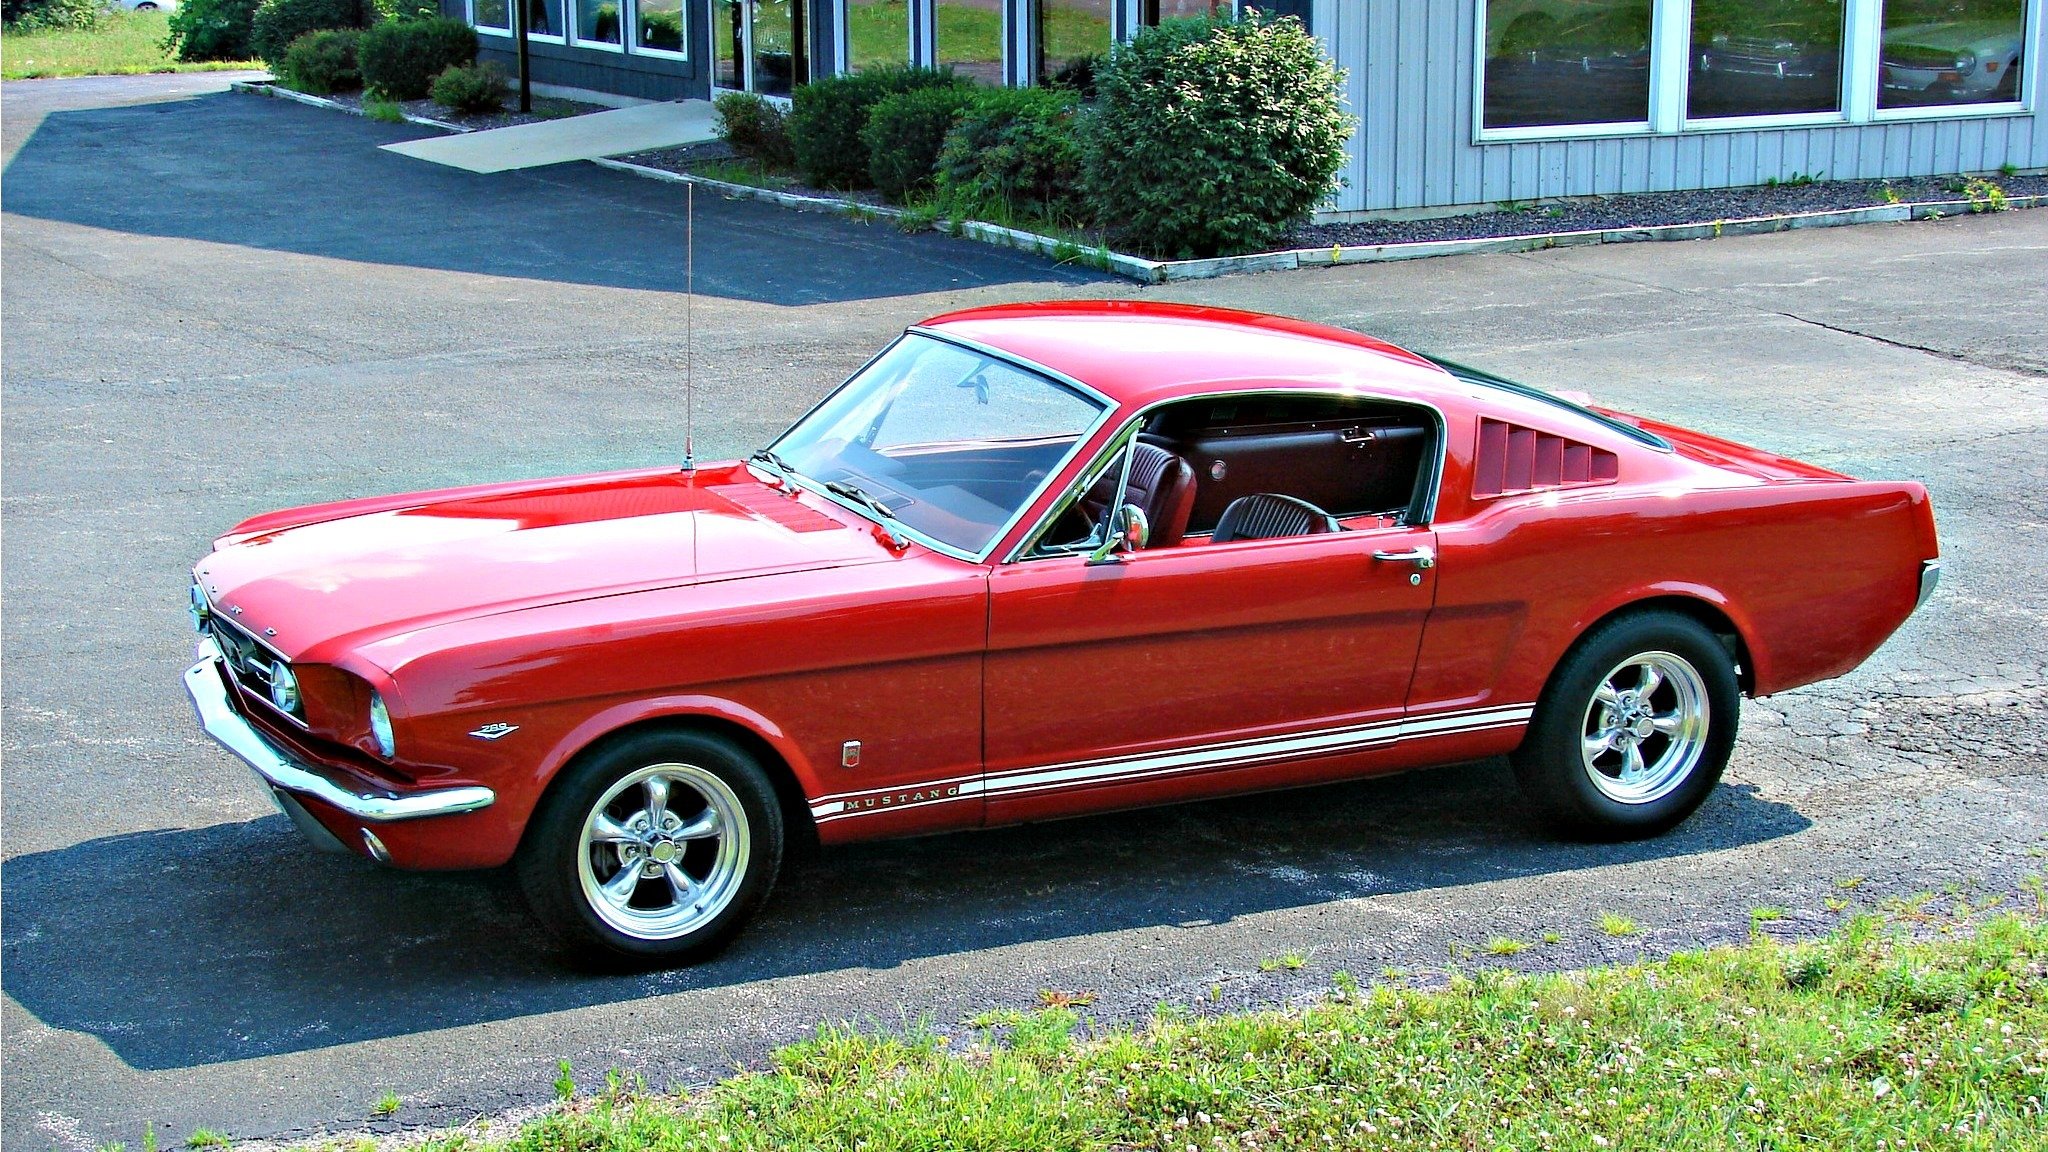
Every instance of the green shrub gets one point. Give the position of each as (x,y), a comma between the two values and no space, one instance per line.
(211,29)
(1017,149)
(904,134)
(279,23)
(471,90)
(323,61)
(1077,75)
(36,15)
(756,129)
(401,58)
(826,117)
(1214,136)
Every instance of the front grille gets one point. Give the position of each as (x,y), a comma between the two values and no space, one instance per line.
(247,658)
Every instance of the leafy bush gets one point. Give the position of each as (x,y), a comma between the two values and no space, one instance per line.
(323,61)
(211,29)
(401,58)
(904,134)
(1077,75)
(279,23)
(756,129)
(826,117)
(36,15)
(473,90)
(1017,148)
(1214,136)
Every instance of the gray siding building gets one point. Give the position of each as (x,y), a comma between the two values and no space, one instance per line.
(1460,103)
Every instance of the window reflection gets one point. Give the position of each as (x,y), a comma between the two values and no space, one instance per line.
(1153,11)
(1567,62)
(1069,33)
(1765,57)
(544,17)
(877,33)
(1940,52)
(597,21)
(493,14)
(659,25)
(968,37)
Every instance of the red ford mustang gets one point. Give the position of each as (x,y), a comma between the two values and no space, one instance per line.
(1035,561)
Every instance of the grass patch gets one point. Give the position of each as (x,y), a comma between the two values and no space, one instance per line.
(1615,924)
(1505,946)
(386,1105)
(1291,961)
(124,44)
(1871,1033)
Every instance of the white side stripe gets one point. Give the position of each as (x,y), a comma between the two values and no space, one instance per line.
(1116,769)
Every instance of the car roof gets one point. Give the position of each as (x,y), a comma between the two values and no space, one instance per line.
(1142,352)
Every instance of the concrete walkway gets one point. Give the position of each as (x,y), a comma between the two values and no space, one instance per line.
(612,133)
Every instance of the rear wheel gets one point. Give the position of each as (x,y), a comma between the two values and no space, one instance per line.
(1634,729)
(654,850)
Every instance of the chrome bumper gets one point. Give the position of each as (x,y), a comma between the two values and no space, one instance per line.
(1930,575)
(207,683)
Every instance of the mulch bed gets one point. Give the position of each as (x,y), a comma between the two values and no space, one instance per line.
(715,160)
(1648,209)
(544,108)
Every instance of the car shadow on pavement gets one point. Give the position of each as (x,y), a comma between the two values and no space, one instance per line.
(193,947)
(231,168)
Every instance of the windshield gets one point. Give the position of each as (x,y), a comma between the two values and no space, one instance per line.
(952,443)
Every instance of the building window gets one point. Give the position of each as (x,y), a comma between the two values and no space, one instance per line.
(877,33)
(1550,64)
(1153,11)
(658,26)
(491,16)
(597,22)
(1768,58)
(1070,32)
(544,19)
(967,36)
(1934,53)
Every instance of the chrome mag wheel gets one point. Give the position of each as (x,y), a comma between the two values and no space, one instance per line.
(663,851)
(1645,728)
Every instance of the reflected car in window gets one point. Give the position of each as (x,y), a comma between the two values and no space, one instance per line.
(1960,62)
(1034,561)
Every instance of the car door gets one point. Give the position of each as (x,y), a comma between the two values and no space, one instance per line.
(1199,670)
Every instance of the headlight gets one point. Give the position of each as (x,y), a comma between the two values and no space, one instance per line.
(1966,61)
(199,608)
(284,688)
(380,727)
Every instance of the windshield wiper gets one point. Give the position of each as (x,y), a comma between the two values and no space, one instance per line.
(860,496)
(777,466)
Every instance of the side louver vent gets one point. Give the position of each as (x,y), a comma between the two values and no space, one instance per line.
(1512,458)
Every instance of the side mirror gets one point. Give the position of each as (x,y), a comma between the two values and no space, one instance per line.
(1128,532)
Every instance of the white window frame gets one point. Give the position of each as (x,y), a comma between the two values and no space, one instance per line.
(1670,74)
(569,12)
(629,32)
(469,11)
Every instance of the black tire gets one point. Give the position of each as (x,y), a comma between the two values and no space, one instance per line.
(1556,765)
(731,803)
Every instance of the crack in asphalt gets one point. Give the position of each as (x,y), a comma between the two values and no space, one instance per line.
(2021,369)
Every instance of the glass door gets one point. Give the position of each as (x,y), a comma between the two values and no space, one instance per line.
(758,46)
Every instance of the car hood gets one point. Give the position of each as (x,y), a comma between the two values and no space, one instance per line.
(1972,34)
(350,572)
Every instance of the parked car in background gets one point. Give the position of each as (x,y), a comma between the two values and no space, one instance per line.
(1035,561)
(1956,62)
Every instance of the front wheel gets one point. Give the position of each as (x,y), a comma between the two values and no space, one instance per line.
(654,850)
(1634,728)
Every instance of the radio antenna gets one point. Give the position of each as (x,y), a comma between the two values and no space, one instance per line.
(689,328)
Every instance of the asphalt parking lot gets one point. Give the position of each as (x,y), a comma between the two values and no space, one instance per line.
(216,305)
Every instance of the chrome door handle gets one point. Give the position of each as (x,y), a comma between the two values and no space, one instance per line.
(1420,557)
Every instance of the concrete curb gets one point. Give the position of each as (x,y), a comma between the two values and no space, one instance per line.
(1162,271)
(278,91)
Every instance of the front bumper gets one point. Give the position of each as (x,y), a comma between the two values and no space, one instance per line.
(1930,575)
(207,683)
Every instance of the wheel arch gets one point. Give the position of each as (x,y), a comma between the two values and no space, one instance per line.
(777,757)
(1712,614)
